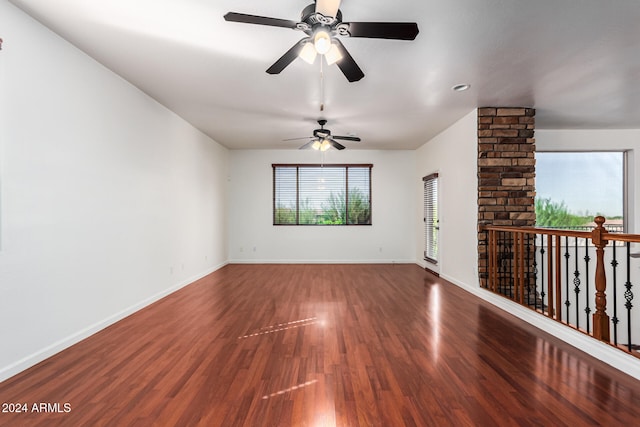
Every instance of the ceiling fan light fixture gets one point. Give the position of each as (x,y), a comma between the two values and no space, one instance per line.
(322,41)
(316,145)
(325,145)
(333,55)
(308,53)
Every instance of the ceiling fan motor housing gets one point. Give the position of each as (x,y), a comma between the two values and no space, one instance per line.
(322,132)
(312,18)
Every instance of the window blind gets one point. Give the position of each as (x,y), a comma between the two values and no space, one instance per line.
(322,194)
(285,195)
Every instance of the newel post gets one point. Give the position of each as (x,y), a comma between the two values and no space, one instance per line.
(600,317)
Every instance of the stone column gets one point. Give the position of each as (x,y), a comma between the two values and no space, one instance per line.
(506,172)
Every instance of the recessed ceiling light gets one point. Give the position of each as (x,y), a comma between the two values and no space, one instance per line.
(461,87)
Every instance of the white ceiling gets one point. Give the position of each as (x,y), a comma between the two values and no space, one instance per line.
(576,61)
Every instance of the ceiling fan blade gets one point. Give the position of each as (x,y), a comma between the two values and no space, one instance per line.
(286,59)
(347,138)
(328,7)
(260,20)
(297,139)
(383,30)
(347,64)
(336,144)
(307,145)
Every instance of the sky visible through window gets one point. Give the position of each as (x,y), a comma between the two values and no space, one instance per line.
(587,183)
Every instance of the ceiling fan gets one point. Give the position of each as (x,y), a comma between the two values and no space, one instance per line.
(323,140)
(322,23)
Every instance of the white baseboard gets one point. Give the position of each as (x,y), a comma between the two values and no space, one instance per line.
(322,261)
(616,358)
(37,357)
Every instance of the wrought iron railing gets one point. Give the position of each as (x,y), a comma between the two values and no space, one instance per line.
(583,279)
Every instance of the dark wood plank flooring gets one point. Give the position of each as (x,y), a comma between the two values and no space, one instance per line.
(323,345)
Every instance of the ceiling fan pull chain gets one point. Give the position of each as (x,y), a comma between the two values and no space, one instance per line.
(321,85)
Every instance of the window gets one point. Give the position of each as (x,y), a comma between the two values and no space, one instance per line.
(574,187)
(431,218)
(322,194)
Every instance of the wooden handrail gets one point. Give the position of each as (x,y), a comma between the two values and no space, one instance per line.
(618,237)
(538,230)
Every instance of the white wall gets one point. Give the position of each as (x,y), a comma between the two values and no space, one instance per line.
(453,154)
(108,200)
(389,239)
(601,140)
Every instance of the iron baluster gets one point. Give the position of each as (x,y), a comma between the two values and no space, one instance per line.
(628,295)
(542,293)
(501,268)
(567,303)
(507,282)
(576,288)
(528,276)
(614,319)
(507,265)
(498,261)
(535,273)
(587,258)
(511,262)
(485,258)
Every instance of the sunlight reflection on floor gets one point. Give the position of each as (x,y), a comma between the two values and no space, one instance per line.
(434,313)
(286,390)
(282,327)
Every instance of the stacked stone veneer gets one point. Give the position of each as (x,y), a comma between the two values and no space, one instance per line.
(506,172)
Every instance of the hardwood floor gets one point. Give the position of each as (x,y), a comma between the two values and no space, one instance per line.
(322,345)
